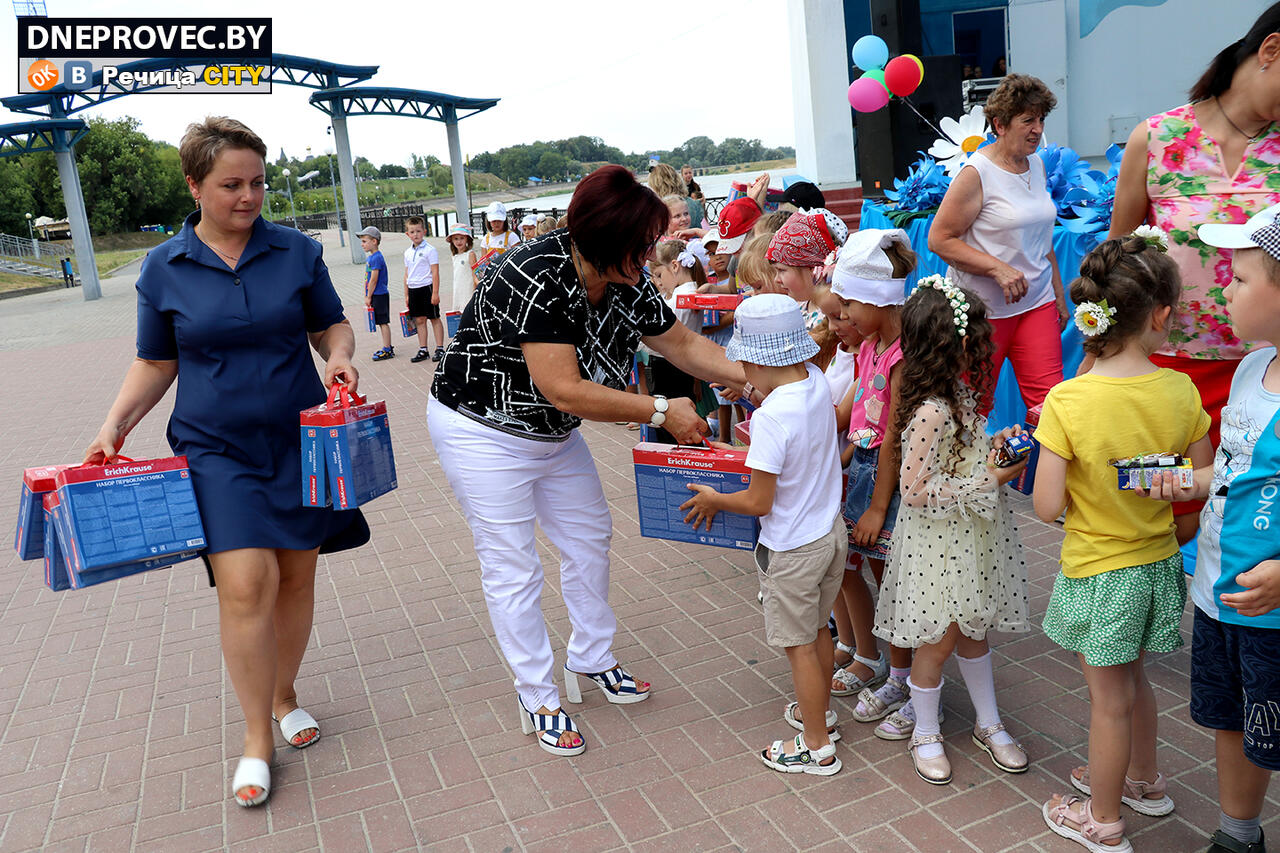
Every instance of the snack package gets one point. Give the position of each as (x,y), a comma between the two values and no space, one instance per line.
(1025,482)
(1137,472)
(1014,450)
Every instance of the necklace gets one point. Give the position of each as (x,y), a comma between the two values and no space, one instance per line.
(1251,137)
(232,258)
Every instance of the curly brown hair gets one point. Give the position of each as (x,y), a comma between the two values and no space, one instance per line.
(1135,278)
(938,362)
(1018,94)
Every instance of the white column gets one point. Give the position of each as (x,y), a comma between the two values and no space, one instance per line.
(73,198)
(819,83)
(460,206)
(347,177)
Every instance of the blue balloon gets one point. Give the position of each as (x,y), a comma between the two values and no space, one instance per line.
(870,52)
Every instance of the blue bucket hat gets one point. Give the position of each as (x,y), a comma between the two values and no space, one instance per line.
(768,329)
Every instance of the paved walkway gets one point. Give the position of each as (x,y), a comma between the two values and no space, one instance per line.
(119,729)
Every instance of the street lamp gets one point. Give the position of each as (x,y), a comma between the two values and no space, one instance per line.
(35,245)
(328,153)
(288,187)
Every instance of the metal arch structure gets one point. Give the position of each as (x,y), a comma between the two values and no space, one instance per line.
(31,137)
(59,133)
(413,103)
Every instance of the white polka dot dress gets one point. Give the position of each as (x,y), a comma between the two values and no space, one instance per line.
(956,556)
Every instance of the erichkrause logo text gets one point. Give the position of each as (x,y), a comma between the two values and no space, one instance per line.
(205,55)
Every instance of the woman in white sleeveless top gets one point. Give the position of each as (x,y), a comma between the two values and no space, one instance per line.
(995,230)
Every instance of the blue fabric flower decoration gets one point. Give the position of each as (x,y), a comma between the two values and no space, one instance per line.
(920,193)
(1064,172)
(1091,202)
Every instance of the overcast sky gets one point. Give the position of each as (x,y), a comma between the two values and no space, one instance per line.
(638,75)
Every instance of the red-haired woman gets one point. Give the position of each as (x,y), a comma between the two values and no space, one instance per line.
(548,342)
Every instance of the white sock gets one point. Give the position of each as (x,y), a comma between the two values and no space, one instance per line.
(926,701)
(980,680)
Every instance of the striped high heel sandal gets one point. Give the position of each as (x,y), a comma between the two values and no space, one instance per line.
(618,685)
(550,728)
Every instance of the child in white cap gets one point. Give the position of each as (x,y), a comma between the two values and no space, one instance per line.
(529,227)
(795,489)
(499,237)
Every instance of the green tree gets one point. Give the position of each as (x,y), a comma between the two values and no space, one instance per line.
(441,180)
(16,198)
(552,166)
(391,170)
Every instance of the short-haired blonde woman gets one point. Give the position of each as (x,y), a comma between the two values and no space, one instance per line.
(995,230)
(234,304)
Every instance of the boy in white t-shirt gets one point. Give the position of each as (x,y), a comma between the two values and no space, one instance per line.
(795,489)
(421,287)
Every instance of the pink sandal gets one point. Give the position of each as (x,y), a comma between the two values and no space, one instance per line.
(1135,795)
(1072,817)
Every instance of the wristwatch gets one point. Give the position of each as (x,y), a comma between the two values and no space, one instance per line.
(660,406)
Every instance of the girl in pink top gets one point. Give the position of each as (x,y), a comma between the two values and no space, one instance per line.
(870,282)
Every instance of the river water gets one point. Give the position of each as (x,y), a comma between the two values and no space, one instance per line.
(713,186)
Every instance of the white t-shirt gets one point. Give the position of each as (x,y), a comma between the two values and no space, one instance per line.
(793,435)
(418,261)
(841,374)
(1015,226)
(691,317)
(506,240)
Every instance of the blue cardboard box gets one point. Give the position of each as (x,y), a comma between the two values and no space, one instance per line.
(141,513)
(407,327)
(315,481)
(663,472)
(56,571)
(359,460)
(29,539)
(452,320)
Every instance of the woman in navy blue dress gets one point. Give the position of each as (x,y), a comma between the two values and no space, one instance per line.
(231,307)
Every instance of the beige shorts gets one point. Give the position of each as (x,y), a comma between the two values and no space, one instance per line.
(800,586)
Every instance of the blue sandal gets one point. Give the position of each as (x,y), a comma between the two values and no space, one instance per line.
(618,685)
(550,728)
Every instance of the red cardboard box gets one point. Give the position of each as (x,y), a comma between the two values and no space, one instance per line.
(712,301)
(355,438)
(663,472)
(407,327)
(742,432)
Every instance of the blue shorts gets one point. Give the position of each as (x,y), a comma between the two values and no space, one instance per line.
(862,483)
(1235,684)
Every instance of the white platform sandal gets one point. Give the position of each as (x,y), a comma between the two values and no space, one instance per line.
(618,685)
(294,723)
(252,774)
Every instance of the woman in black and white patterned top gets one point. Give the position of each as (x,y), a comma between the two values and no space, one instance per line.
(546,342)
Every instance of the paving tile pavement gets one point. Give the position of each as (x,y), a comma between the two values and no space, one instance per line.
(119,728)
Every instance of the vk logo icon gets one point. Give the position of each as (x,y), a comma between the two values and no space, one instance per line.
(77,75)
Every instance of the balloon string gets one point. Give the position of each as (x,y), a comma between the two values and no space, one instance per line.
(922,118)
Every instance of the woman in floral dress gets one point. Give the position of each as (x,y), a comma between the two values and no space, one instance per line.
(1212,160)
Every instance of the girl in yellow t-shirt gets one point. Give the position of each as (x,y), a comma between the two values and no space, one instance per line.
(1121,590)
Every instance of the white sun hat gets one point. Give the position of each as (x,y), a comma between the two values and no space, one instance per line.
(768,329)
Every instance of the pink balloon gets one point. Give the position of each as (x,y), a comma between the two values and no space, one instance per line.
(866,95)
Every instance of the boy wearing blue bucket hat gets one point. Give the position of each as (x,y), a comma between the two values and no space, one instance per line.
(795,489)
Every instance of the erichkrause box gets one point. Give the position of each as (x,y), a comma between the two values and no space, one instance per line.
(407,327)
(142,513)
(663,472)
(358,459)
(36,482)
(315,480)
(57,572)
(709,301)
(452,319)
(742,431)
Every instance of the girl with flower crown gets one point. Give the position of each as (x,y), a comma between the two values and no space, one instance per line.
(955,569)
(1121,590)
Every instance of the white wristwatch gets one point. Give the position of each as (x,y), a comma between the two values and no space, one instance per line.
(660,406)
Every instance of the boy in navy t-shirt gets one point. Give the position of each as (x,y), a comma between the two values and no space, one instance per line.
(376,296)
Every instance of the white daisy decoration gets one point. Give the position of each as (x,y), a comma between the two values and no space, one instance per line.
(960,139)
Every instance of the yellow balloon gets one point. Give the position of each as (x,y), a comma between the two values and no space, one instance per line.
(917,61)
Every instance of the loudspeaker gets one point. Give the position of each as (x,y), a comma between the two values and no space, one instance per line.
(898,23)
